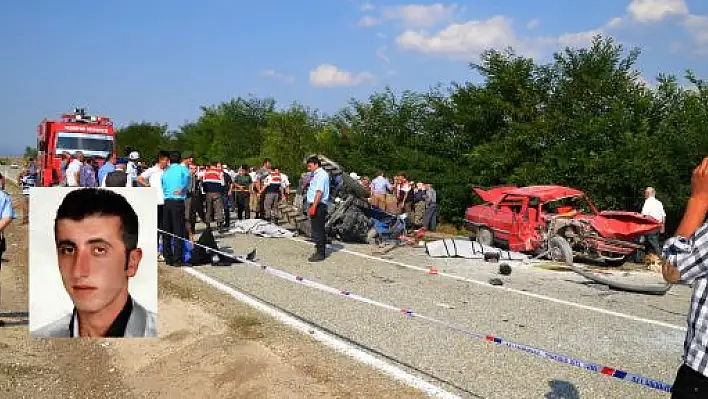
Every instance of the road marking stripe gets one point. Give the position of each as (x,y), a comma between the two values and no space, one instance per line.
(327,339)
(507,289)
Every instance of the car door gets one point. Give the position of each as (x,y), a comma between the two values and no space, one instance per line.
(521,227)
(503,220)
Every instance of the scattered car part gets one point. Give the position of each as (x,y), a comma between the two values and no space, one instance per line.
(653,289)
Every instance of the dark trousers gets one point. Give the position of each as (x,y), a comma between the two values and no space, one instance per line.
(689,384)
(317,225)
(228,205)
(160,220)
(260,212)
(175,224)
(652,244)
(242,204)
(430,220)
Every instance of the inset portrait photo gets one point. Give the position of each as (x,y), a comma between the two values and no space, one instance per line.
(92,262)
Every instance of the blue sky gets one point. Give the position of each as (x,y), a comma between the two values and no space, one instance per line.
(159,60)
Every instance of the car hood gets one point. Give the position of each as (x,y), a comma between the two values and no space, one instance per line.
(493,194)
(623,225)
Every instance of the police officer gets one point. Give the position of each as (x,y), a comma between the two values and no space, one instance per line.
(317,200)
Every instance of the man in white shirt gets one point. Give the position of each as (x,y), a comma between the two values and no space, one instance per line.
(152,177)
(73,170)
(132,167)
(284,186)
(655,209)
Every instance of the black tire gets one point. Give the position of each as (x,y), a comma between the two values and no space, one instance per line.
(484,236)
(559,250)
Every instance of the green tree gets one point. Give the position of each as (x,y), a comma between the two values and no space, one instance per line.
(146,138)
(30,152)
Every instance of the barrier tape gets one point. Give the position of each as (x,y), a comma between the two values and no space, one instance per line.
(588,366)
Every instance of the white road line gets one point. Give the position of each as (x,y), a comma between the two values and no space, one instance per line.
(507,289)
(328,339)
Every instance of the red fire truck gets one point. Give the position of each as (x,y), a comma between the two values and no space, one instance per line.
(92,135)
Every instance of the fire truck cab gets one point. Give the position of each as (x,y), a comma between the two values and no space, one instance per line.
(92,135)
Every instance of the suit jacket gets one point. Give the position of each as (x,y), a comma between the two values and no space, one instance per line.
(141,324)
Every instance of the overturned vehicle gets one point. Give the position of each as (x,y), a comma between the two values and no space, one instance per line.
(558,222)
(350,217)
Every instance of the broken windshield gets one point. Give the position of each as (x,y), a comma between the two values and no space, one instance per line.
(564,205)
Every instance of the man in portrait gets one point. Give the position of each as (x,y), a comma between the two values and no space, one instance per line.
(96,237)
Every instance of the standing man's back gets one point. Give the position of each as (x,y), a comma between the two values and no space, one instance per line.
(655,209)
(175,184)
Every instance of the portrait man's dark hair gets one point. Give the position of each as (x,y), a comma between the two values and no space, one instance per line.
(86,202)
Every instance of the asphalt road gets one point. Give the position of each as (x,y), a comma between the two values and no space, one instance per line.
(555,311)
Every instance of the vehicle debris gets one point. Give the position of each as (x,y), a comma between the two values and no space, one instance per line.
(504,269)
(464,248)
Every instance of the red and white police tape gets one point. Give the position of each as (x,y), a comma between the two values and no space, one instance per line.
(589,366)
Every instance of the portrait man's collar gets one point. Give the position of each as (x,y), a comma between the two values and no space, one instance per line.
(117,328)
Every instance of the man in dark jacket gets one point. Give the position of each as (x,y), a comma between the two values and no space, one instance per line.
(119,177)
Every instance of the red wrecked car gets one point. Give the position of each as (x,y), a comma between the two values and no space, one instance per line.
(557,221)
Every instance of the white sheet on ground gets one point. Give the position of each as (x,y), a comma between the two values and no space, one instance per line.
(450,248)
(260,228)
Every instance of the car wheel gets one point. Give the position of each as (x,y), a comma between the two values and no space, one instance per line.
(559,250)
(485,236)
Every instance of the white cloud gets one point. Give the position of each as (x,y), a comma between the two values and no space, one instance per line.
(289,79)
(414,15)
(615,22)
(656,10)
(369,21)
(578,39)
(381,35)
(697,27)
(467,39)
(367,7)
(328,75)
(381,53)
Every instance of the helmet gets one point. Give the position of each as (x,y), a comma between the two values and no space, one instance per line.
(134,155)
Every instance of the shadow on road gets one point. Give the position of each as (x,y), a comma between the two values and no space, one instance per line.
(14,314)
(562,390)
(15,323)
